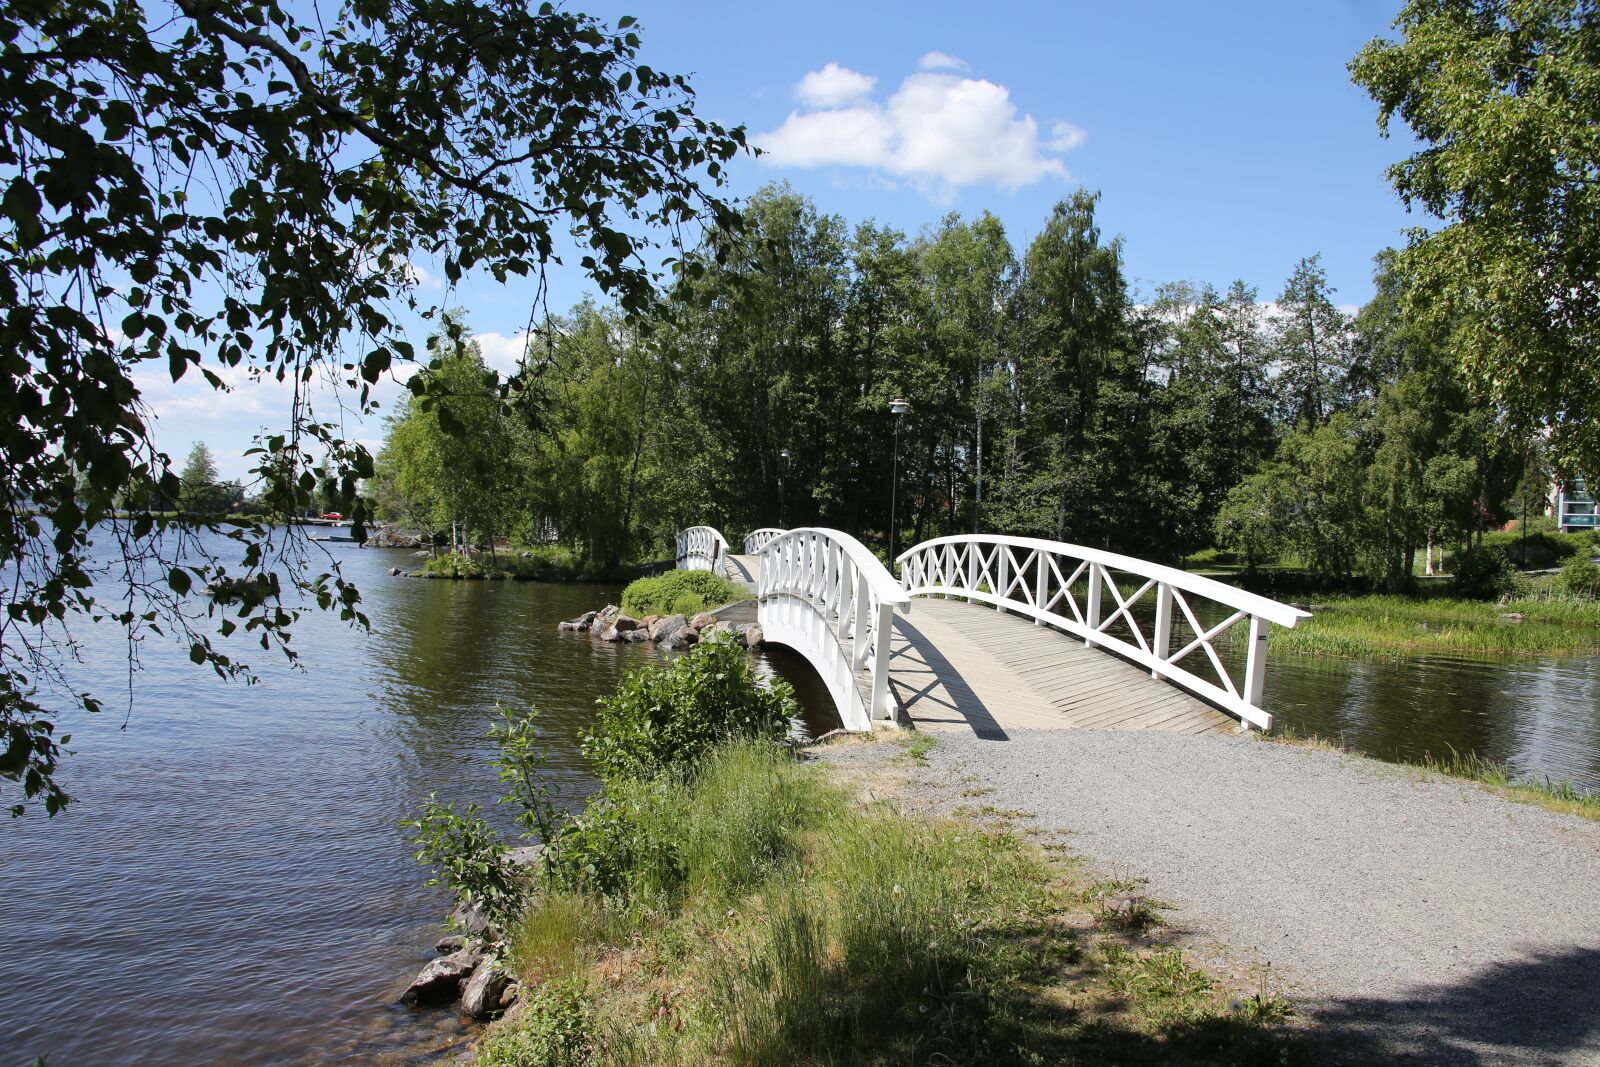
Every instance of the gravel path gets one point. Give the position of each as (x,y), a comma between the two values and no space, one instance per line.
(1418,916)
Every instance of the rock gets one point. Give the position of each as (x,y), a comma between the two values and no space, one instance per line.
(754,636)
(666,626)
(717,630)
(635,637)
(450,943)
(584,577)
(612,634)
(1513,616)
(470,920)
(625,623)
(480,996)
(579,625)
(510,995)
(525,856)
(440,981)
(702,620)
(395,572)
(649,622)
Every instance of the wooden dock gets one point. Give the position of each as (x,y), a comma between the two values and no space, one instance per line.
(960,666)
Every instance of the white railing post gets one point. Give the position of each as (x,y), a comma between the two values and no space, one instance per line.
(1255,665)
(1039,591)
(1163,634)
(883,629)
(1003,558)
(1093,606)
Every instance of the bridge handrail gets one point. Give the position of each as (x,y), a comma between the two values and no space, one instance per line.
(702,548)
(756,540)
(844,582)
(987,568)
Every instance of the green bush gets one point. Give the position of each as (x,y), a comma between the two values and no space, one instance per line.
(680,593)
(667,718)
(1580,578)
(556,1028)
(1485,573)
(1539,548)
(624,845)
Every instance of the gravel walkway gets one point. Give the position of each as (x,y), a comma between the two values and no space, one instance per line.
(1417,916)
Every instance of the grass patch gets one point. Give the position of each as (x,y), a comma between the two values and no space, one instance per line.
(1492,775)
(918,745)
(802,926)
(1397,627)
(680,593)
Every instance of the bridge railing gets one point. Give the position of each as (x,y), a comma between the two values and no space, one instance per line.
(1076,589)
(702,548)
(756,540)
(845,587)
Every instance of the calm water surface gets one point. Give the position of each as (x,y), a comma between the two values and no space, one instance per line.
(233,886)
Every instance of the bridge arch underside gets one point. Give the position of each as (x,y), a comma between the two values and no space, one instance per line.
(792,621)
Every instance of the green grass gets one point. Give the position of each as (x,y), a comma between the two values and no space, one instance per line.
(809,927)
(1395,626)
(680,593)
(539,563)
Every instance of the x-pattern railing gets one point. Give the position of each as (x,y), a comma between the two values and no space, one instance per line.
(1075,589)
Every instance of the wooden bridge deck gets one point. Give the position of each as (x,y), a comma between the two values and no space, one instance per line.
(961,666)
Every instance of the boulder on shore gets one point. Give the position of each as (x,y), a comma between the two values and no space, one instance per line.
(703,620)
(579,625)
(470,920)
(624,623)
(440,981)
(482,993)
(666,626)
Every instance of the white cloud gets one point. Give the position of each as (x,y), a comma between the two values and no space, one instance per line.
(502,352)
(938,131)
(942,61)
(832,86)
(1064,137)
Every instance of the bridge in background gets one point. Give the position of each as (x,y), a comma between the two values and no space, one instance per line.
(1007,633)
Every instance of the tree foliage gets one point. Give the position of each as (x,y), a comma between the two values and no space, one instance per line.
(238,192)
(1505,97)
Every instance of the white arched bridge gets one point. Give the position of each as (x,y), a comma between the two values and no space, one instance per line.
(1007,632)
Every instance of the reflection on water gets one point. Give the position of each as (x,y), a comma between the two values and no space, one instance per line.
(1540,717)
(233,885)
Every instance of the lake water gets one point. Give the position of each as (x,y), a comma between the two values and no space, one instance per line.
(233,886)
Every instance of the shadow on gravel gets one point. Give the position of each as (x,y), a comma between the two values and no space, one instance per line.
(1544,1009)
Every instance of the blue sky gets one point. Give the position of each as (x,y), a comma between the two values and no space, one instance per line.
(1225,138)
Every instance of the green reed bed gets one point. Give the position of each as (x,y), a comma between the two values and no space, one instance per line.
(1395,626)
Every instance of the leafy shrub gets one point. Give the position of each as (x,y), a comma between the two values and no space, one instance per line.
(1580,578)
(624,845)
(468,857)
(668,718)
(680,593)
(1539,548)
(555,1028)
(1484,574)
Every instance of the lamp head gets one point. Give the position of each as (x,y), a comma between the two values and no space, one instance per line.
(899,406)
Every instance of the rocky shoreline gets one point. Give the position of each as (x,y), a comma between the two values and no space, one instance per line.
(469,970)
(669,632)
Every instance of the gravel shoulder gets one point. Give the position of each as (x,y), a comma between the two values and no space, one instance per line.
(1406,914)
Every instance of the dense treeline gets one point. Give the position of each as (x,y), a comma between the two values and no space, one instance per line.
(1047,397)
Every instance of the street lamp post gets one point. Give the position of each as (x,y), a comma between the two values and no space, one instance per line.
(783,466)
(897,407)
